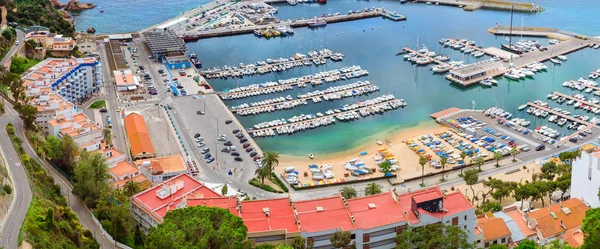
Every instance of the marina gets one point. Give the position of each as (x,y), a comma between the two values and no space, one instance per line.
(285,85)
(303,122)
(558,114)
(273,65)
(421,57)
(284,103)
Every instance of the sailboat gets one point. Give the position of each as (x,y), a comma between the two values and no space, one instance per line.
(509,47)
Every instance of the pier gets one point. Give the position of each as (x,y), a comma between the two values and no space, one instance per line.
(379,12)
(325,117)
(367,84)
(576,99)
(289,86)
(470,5)
(409,50)
(554,33)
(570,118)
(233,71)
(566,139)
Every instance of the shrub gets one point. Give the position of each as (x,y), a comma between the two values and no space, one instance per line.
(254,182)
(6,189)
(279,182)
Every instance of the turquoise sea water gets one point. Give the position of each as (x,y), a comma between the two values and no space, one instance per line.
(372,44)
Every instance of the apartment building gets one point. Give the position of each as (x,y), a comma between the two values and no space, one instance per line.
(585,177)
(85,133)
(49,106)
(373,221)
(491,230)
(74,79)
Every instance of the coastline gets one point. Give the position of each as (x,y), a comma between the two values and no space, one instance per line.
(391,138)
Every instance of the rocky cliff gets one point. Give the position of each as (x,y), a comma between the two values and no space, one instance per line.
(75,5)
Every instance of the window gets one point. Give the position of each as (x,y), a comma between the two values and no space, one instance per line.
(366,238)
(495,242)
(465,227)
(353,236)
(366,247)
(478,241)
(465,217)
(455,221)
(487,244)
(503,241)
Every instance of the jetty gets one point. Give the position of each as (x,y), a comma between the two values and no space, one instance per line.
(227,31)
(327,119)
(361,89)
(470,5)
(576,99)
(267,68)
(570,118)
(272,87)
(410,50)
(530,31)
(575,134)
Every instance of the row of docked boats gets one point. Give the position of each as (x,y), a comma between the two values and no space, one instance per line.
(278,105)
(272,65)
(464,46)
(526,71)
(582,85)
(594,74)
(594,45)
(573,125)
(349,112)
(578,101)
(288,84)
(281,30)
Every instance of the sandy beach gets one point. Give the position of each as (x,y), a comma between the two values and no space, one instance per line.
(392,141)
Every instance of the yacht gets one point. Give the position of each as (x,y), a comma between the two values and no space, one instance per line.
(478,54)
(555,61)
(485,82)
(442,57)
(440,68)
(422,61)
(512,75)
(562,57)
(292,2)
(521,107)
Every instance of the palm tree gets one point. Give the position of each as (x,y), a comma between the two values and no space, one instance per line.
(422,162)
(463,155)
(497,157)
(262,173)
(514,153)
(372,189)
(479,161)
(131,188)
(443,161)
(106,133)
(269,161)
(348,192)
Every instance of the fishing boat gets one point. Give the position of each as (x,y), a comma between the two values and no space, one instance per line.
(378,142)
(315,23)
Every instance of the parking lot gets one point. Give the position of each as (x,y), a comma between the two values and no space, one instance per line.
(146,89)
(210,126)
(185,81)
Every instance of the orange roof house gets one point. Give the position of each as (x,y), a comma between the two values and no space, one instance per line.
(552,221)
(138,136)
(494,229)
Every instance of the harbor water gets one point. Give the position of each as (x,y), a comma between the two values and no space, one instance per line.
(372,44)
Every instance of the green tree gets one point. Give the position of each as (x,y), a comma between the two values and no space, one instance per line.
(514,151)
(527,244)
(463,155)
(479,161)
(262,173)
(439,236)
(549,170)
(497,157)
(9,34)
(372,189)
(89,178)
(131,188)
(348,192)
(269,161)
(340,239)
(298,242)
(27,113)
(422,162)
(504,190)
(199,227)
(386,167)
(69,151)
(498,246)
(591,229)
(471,177)
(224,190)
(443,161)
(106,133)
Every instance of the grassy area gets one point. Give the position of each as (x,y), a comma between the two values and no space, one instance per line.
(20,65)
(49,222)
(98,104)
(256,183)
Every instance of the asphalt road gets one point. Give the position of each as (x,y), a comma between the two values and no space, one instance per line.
(11,225)
(14,48)
(83,213)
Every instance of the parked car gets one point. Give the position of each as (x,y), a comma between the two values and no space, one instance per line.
(243,140)
(200,145)
(239,159)
(232,148)
(207,156)
(199,139)
(228,121)
(197,135)
(205,150)
(573,140)
(103,110)
(235,154)
(246,145)
(226,150)
(239,135)
(235,131)
(210,160)
(540,147)
(253,154)
(249,149)
(200,112)
(228,143)
(222,138)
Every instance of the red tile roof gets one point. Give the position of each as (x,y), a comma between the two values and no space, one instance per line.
(157,207)
(493,228)
(453,203)
(137,133)
(323,214)
(549,226)
(228,203)
(375,210)
(281,215)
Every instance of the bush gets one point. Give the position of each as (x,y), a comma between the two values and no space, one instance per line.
(6,189)
(279,182)
(98,104)
(254,182)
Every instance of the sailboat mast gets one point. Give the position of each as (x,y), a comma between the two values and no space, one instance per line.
(511,23)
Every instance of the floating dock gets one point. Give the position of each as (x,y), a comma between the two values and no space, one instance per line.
(576,99)
(570,118)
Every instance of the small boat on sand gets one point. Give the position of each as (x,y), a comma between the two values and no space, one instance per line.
(379,142)
(311,156)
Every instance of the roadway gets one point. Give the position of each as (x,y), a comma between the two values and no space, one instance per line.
(83,213)
(14,48)
(11,225)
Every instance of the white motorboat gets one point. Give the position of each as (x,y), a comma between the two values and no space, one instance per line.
(423,61)
(527,72)
(478,54)
(512,75)
(562,57)
(485,82)
(378,142)
(442,57)
(311,156)
(423,50)
(439,68)
(555,61)
(521,107)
